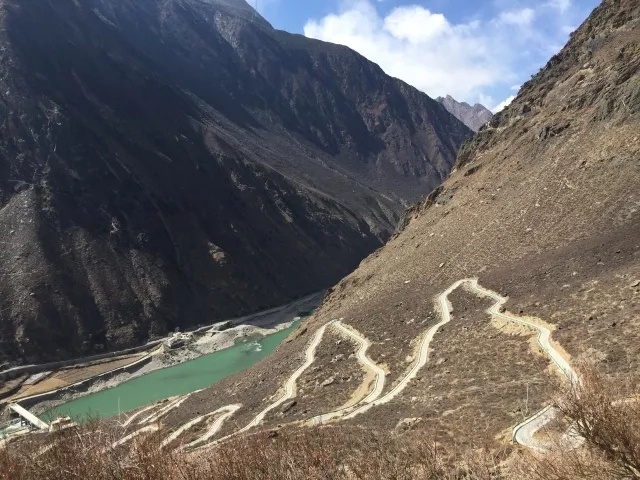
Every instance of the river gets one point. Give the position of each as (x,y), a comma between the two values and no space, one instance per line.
(168,382)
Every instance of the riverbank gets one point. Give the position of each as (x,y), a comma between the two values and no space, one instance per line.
(175,381)
(191,346)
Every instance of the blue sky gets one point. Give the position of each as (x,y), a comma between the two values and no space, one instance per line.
(476,50)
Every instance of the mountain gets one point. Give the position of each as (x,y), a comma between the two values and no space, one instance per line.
(170,163)
(473,117)
(543,207)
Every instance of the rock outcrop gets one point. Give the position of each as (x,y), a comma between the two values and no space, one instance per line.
(473,117)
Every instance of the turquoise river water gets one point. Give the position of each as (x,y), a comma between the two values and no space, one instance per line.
(176,380)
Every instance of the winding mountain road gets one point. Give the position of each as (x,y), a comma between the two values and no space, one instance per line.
(544,334)
(365,344)
(525,431)
(147,429)
(374,368)
(137,414)
(172,405)
(423,354)
(149,423)
(522,433)
(226,411)
(310,356)
(290,385)
(187,426)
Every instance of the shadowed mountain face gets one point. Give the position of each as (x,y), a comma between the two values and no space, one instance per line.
(170,163)
(473,117)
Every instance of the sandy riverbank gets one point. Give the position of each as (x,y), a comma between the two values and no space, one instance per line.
(201,342)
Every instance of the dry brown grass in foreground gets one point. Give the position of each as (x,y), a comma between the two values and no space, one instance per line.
(609,425)
(328,453)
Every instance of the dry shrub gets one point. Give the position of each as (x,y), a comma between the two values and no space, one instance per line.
(329,453)
(342,453)
(609,425)
(84,453)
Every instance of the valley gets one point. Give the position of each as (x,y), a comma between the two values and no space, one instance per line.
(489,331)
(166,166)
(518,225)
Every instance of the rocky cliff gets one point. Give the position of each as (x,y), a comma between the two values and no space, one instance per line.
(171,163)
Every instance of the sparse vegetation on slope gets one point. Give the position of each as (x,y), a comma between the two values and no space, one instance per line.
(611,450)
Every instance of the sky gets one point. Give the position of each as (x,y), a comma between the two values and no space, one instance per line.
(478,51)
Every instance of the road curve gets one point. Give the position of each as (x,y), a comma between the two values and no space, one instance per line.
(226,411)
(147,429)
(364,359)
(173,404)
(290,385)
(184,428)
(544,334)
(524,432)
(135,415)
(423,354)
(149,422)
(380,374)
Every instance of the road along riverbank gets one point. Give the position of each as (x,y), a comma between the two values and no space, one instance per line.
(187,347)
(179,379)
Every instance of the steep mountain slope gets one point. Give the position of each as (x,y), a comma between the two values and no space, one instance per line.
(473,117)
(169,163)
(544,207)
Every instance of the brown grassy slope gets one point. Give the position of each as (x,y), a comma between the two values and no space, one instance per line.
(337,376)
(611,451)
(543,207)
(488,377)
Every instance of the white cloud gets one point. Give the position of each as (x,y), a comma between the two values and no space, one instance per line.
(419,46)
(416,24)
(505,103)
(486,100)
(474,61)
(560,5)
(523,17)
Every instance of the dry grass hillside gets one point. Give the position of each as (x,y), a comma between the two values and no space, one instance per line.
(544,207)
(611,432)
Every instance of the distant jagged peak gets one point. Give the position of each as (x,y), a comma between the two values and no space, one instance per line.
(473,117)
